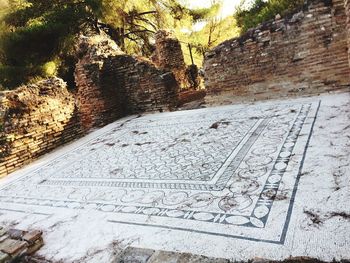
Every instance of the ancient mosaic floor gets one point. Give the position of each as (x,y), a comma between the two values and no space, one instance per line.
(231,172)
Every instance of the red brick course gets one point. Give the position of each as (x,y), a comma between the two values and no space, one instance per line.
(303,54)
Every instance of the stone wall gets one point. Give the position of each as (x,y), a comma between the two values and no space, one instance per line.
(302,54)
(111,84)
(139,84)
(36,119)
(168,56)
(347,10)
(97,106)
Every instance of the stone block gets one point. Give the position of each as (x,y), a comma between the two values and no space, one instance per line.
(35,246)
(4,258)
(175,257)
(3,231)
(134,255)
(13,247)
(32,236)
(16,233)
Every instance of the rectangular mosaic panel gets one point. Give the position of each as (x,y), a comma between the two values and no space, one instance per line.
(219,171)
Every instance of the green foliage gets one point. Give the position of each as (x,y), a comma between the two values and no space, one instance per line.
(37,37)
(203,14)
(215,31)
(260,11)
(37,32)
(135,21)
(49,69)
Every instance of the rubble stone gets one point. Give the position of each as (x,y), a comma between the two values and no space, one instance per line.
(4,258)
(174,257)
(135,255)
(32,236)
(16,244)
(12,247)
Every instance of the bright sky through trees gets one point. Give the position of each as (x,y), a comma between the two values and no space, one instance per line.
(228,7)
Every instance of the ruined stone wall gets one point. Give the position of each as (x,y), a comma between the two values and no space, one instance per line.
(111,84)
(35,119)
(97,105)
(347,10)
(302,54)
(168,56)
(139,84)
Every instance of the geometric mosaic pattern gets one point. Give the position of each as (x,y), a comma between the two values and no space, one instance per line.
(224,171)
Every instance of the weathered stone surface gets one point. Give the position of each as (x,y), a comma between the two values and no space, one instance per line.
(15,244)
(16,233)
(35,119)
(191,95)
(4,236)
(347,10)
(32,236)
(174,257)
(303,54)
(169,56)
(139,84)
(2,231)
(35,245)
(4,258)
(12,247)
(134,255)
(112,84)
(96,105)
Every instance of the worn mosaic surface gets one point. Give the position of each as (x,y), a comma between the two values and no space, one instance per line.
(229,172)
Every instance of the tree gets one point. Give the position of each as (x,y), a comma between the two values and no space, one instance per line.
(38,36)
(135,22)
(260,11)
(215,30)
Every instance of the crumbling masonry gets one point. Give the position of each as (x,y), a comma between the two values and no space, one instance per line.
(306,53)
(35,119)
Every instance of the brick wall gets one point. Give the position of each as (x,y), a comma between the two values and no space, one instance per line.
(168,56)
(139,85)
(347,10)
(303,54)
(36,119)
(111,84)
(97,105)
